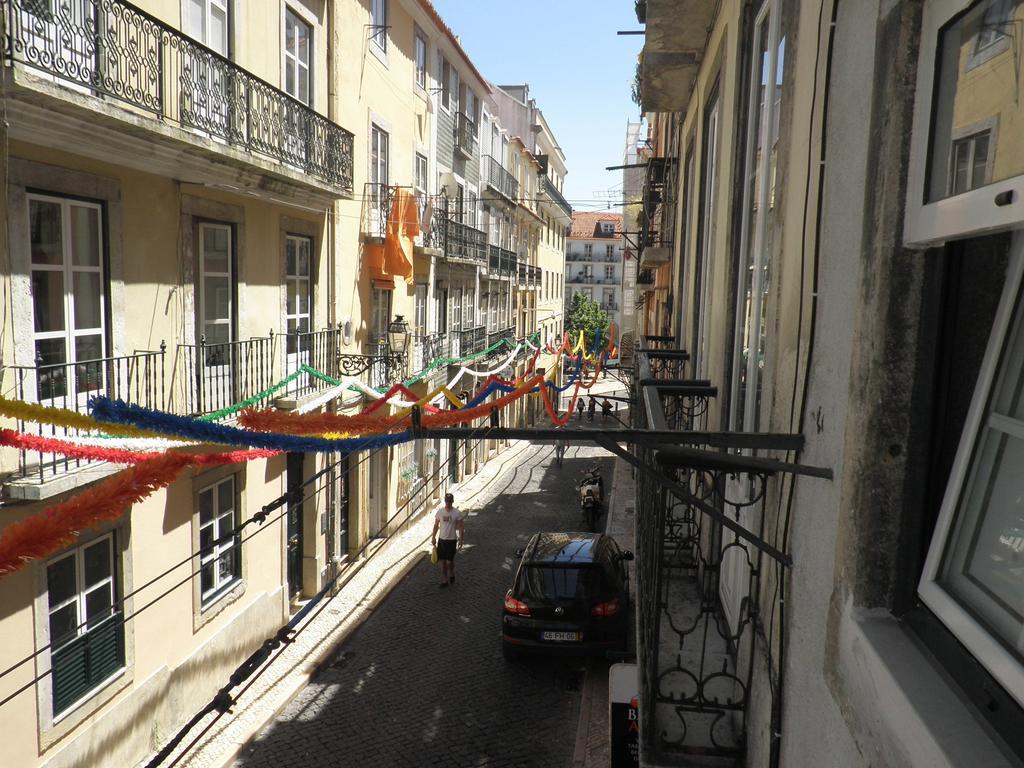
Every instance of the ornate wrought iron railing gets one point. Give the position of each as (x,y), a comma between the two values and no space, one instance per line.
(499,179)
(465,242)
(428,348)
(703,572)
(318,350)
(465,134)
(472,340)
(137,378)
(377,200)
(114,50)
(212,376)
(552,191)
(503,333)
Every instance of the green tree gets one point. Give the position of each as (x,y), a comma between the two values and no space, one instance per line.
(586,315)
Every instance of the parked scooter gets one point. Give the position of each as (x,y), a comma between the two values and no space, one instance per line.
(591,497)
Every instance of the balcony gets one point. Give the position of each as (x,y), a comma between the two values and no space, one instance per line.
(676,34)
(472,340)
(645,279)
(318,350)
(213,376)
(465,242)
(500,180)
(494,337)
(501,262)
(108,53)
(427,348)
(534,277)
(138,379)
(377,200)
(549,189)
(465,135)
(523,274)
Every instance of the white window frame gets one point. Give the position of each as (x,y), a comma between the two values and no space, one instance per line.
(221,585)
(303,284)
(380,161)
(291,59)
(420,72)
(379,25)
(70,333)
(972,212)
(985,647)
(229,321)
(202,34)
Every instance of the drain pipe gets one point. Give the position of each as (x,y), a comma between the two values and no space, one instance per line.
(776,724)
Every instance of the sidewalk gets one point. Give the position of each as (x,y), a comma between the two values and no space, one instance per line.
(374,577)
(592,738)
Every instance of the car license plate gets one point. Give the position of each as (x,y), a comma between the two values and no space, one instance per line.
(560,637)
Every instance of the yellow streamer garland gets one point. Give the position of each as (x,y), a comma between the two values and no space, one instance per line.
(61,417)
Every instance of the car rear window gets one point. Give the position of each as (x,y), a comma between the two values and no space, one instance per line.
(563,583)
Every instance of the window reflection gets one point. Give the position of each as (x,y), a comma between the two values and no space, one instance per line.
(978,115)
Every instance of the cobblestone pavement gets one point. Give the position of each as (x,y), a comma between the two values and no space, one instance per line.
(422,681)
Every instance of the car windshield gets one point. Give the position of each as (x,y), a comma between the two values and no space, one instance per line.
(563,583)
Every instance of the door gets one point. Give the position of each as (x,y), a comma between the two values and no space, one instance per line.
(378,506)
(294,477)
(216,316)
(343,506)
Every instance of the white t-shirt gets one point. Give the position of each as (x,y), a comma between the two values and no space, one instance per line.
(447,519)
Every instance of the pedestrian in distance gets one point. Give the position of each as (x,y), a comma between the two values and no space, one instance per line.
(579,408)
(559,451)
(591,408)
(448,535)
(606,409)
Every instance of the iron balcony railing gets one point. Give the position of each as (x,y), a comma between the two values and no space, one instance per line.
(318,350)
(494,337)
(212,376)
(114,50)
(552,191)
(701,584)
(523,274)
(465,135)
(501,262)
(465,242)
(137,379)
(377,200)
(645,277)
(499,179)
(427,348)
(472,340)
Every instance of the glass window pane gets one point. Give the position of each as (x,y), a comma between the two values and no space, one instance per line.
(984,567)
(48,301)
(206,505)
(97,562)
(226,496)
(97,605)
(289,77)
(303,87)
(206,577)
(46,233)
(206,539)
(64,624)
(216,249)
(60,580)
(87,295)
(217,334)
(303,252)
(291,297)
(980,160)
(216,298)
(218,31)
(289,33)
(977,87)
(85,236)
(51,378)
(961,156)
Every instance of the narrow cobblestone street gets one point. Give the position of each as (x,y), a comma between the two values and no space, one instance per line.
(422,681)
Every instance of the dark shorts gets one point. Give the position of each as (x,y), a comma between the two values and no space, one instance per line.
(446,549)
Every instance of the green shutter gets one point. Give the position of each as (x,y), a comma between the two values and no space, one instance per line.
(86,661)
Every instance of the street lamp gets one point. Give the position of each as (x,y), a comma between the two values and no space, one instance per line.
(398,336)
(390,360)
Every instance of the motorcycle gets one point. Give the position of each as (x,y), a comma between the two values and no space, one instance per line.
(591,489)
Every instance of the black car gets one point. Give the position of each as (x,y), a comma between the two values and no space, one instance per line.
(570,594)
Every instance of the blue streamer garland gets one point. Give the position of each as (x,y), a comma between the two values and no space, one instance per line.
(119,412)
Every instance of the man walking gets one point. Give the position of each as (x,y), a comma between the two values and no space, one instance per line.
(448,535)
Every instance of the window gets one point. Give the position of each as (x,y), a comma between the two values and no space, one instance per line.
(970,163)
(379,24)
(216,294)
(609,252)
(298,295)
(445,75)
(457,309)
(420,180)
(207,22)
(588,250)
(963,147)
(421,59)
(609,271)
(378,156)
(453,88)
(468,308)
(381,316)
(220,558)
(709,194)
(420,319)
(750,333)
(85,621)
(298,36)
(68,297)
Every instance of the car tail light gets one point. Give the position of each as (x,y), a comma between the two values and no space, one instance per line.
(516,607)
(609,608)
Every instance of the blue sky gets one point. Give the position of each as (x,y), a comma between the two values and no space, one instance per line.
(579,71)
